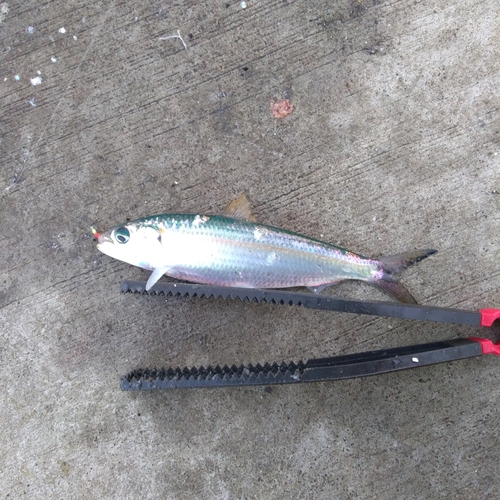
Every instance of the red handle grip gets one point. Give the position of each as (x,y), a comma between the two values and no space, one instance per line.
(488,316)
(487,346)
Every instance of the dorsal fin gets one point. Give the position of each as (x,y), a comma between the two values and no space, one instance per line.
(240,209)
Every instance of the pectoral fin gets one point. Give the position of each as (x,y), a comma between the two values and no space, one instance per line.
(155,276)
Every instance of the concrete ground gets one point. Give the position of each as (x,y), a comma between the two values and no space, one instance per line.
(393,145)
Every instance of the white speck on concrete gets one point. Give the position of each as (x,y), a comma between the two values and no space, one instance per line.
(4,10)
(36,81)
(32,101)
(39,72)
(62,30)
(17,78)
(31,29)
(415,360)
(74,37)
(53,59)
(243,5)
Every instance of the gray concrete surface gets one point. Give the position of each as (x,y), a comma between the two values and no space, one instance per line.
(393,145)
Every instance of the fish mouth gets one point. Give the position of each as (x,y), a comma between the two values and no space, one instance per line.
(103,238)
(105,245)
(100,237)
(110,250)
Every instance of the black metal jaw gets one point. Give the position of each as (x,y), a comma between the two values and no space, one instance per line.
(308,300)
(315,370)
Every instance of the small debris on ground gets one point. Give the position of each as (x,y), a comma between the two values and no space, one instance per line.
(37,80)
(281,108)
(176,36)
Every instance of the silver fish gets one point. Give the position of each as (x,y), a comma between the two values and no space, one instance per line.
(235,250)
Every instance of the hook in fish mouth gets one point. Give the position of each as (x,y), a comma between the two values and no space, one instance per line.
(100,237)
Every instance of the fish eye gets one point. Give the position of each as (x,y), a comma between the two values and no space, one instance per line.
(122,235)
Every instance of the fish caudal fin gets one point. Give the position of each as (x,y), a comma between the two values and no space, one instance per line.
(395,265)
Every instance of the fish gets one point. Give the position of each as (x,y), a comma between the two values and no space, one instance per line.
(234,250)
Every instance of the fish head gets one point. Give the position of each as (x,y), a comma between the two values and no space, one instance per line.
(134,243)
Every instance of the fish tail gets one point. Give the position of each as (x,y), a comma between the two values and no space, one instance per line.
(393,266)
